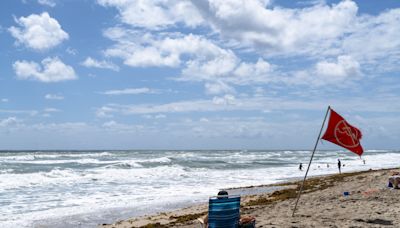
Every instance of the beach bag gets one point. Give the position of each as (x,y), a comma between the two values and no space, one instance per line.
(247,222)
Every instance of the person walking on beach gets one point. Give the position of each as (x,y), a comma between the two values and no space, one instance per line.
(301,166)
(339,164)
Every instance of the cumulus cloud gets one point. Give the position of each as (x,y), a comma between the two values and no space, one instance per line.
(39,32)
(50,70)
(321,29)
(130,91)
(230,70)
(345,66)
(53,97)
(375,42)
(90,62)
(276,30)
(341,72)
(200,59)
(10,121)
(155,14)
(334,39)
(145,50)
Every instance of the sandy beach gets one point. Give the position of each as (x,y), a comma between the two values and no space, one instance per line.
(370,203)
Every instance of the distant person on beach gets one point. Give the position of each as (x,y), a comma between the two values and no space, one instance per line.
(301,166)
(327,165)
(339,165)
(364,161)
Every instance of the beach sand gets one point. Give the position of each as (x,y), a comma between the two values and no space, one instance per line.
(370,204)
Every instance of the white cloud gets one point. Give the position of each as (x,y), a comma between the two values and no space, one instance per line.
(334,39)
(51,110)
(158,116)
(261,104)
(322,29)
(50,3)
(4,100)
(130,91)
(175,107)
(104,112)
(10,121)
(374,41)
(61,127)
(155,14)
(144,50)
(341,73)
(119,127)
(229,69)
(52,70)
(218,87)
(19,112)
(71,51)
(90,62)
(345,67)
(39,32)
(276,30)
(202,60)
(225,100)
(53,97)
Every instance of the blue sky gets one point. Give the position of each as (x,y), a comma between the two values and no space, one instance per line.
(204,74)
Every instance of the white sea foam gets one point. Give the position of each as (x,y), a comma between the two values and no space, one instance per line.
(144,182)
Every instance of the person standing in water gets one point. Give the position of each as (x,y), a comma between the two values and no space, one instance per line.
(339,164)
(301,166)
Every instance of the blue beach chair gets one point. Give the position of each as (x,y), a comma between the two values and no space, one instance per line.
(223,212)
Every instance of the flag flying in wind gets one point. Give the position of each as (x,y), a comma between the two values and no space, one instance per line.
(343,134)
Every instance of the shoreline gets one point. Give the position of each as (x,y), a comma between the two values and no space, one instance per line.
(325,188)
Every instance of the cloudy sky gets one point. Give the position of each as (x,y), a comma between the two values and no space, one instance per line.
(201,74)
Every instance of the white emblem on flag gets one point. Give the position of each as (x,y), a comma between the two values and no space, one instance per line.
(342,132)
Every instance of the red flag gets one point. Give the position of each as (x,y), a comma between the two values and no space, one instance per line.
(343,134)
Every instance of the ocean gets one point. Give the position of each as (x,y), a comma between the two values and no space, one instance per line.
(86,188)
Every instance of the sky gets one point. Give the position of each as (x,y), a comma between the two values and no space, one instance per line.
(200,74)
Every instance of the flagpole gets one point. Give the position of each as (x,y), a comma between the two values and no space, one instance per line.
(309,164)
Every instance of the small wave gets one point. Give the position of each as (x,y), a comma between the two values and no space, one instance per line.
(50,162)
(377,151)
(124,165)
(72,155)
(57,173)
(156,160)
(25,157)
(6,171)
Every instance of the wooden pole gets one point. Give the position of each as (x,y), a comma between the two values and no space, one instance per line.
(309,164)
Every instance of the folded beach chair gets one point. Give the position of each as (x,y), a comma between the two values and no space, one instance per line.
(223,212)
